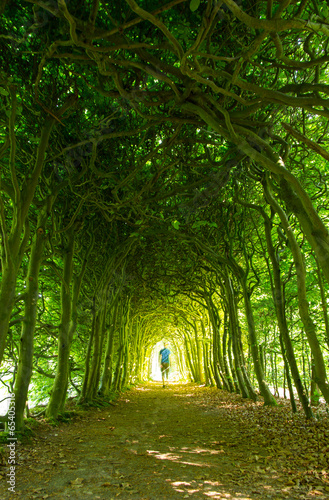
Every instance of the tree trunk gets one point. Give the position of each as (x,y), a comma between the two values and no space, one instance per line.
(314,393)
(198,354)
(292,191)
(26,346)
(14,244)
(279,303)
(309,326)
(190,363)
(58,392)
(251,390)
(311,224)
(323,302)
(218,361)
(228,376)
(233,324)
(108,361)
(206,361)
(92,385)
(231,362)
(287,376)
(263,387)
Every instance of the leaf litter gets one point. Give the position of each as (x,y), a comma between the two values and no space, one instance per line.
(185,441)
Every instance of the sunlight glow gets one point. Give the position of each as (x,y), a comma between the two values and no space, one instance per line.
(174,458)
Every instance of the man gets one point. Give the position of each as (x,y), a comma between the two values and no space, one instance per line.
(164,363)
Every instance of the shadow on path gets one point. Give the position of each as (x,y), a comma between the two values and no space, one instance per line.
(183,441)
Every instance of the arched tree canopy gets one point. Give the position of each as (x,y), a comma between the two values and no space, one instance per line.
(164,173)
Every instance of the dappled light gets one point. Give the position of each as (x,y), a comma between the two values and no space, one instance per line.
(179,446)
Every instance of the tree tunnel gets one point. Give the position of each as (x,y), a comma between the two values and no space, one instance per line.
(164,175)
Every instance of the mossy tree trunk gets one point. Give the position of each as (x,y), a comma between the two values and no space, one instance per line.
(242,276)
(280,309)
(88,353)
(189,357)
(234,333)
(227,364)
(31,297)
(15,238)
(138,350)
(58,392)
(323,301)
(218,361)
(93,376)
(279,302)
(122,354)
(198,358)
(309,326)
(287,375)
(106,377)
(126,348)
(291,190)
(206,355)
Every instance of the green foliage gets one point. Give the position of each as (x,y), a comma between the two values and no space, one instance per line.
(194,5)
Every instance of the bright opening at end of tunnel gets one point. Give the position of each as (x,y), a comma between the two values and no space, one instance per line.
(174,374)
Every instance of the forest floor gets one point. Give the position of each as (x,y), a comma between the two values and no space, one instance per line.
(184,441)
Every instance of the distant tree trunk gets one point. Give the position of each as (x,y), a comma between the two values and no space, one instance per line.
(189,358)
(134,335)
(120,376)
(218,361)
(228,375)
(127,351)
(234,331)
(93,376)
(231,362)
(120,369)
(140,349)
(198,359)
(273,373)
(88,354)
(180,359)
(216,364)
(206,361)
(108,361)
(142,358)
(251,390)
(126,363)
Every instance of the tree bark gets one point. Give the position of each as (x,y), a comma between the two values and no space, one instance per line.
(58,392)
(233,326)
(263,387)
(108,361)
(309,326)
(26,346)
(16,241)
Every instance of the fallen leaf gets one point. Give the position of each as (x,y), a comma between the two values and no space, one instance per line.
(78,480)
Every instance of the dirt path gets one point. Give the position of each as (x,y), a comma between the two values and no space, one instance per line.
(180,442)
